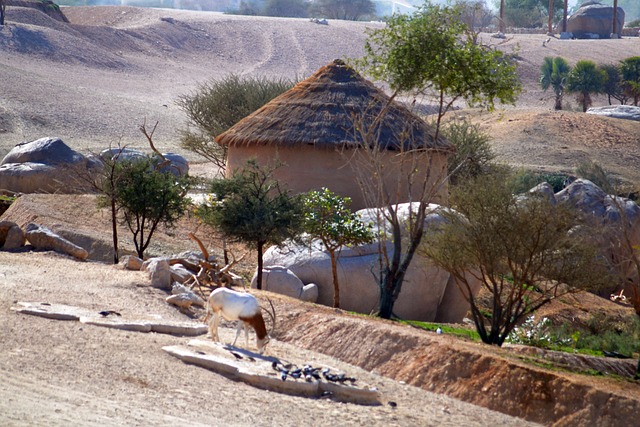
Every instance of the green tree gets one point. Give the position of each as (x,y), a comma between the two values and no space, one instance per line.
(613,85)
(584,79)
(327,217)
(531,13)
(146,196)
(554,73)
(350,10)
(286,8)
(250,207)
(473,155)
(219,104)
(428,52)
(630,69)
(524,251)
(433,52)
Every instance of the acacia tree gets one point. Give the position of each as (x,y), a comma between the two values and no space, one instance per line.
(427,53)
(524,251)
(432,53)
(584,79)
(327,217)
(630,69)
(250,207)
(146,196)
(554,73)
(217,105)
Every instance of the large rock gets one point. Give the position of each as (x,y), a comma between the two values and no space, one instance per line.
(159,272)
(428,293)
(610,211)
(46,165)
(594,20)
(627,112)
(11,236)
(48,151)
(281,280)
(45,239)
(176,164)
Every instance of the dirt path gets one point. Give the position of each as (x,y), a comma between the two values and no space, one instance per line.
(60,373)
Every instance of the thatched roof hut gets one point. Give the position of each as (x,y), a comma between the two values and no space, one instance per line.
(309,127)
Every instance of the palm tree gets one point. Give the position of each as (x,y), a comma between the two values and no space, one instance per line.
(584,79)
(554,73)
(630,69)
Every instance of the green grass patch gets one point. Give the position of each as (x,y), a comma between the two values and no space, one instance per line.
(446,329)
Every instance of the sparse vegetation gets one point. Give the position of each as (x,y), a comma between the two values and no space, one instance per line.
(518,250)
(250,207)
(219,104)
(435,54)
(531,13)
(613,86)
(597,335)
(414,54)
(327,217)
(147,196)
(525,179)
(595,173)
(473,156)
(352,10)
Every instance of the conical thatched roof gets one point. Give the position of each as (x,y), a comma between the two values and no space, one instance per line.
(323,111)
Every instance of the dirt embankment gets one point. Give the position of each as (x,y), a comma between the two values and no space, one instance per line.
(490,377)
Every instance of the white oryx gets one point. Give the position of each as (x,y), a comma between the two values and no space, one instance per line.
(241,306)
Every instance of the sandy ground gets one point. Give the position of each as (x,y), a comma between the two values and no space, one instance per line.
(66,373)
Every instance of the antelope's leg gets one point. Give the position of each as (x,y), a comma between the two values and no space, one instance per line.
(238,330)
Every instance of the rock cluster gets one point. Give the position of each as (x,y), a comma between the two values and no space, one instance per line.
(12,237)
(48,165)
(626,112)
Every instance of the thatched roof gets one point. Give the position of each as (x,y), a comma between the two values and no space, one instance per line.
(324,110)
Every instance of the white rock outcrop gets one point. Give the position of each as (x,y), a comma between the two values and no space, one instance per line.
(428,293)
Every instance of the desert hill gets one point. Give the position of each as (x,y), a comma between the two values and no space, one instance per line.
(94,79)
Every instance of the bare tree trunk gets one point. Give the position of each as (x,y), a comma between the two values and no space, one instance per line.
(550,26)
(114,230)
(615,18)
(564,16)
(501,24)
(336,286)
(260,262)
